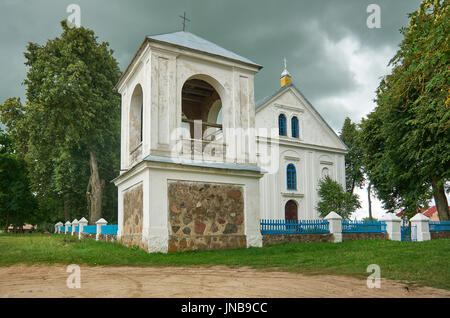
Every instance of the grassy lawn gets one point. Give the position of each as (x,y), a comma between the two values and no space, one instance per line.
(421,263)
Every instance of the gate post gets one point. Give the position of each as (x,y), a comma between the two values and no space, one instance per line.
(393,226)
(68,223)
(420,221)
(82,223)
(74,225)
(58,227)
(335,226)
(99,228)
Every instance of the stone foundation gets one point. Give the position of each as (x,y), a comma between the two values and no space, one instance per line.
(206,242)
(440,235)
(364,236)
(102,237)
(296,238)
(132,217)
(205,216)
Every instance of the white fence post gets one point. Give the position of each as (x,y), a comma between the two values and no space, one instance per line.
(58,227)
(335,226)
(421,222)
(82,223)
(74,224)
(66,226)
(99,227)
(393,226)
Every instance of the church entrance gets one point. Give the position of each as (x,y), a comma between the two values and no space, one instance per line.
(291,211)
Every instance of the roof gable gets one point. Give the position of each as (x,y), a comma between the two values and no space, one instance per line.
(293,96)
(194,42)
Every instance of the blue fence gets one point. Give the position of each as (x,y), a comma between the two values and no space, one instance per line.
(92,229)
(294,226)
(109,229)
(363,226)
(439,226)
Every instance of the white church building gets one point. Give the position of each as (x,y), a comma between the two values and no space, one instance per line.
(201,163)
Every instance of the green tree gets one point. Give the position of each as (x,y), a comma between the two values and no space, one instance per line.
(17,204)
(406,137)
(69,130)
(333,198)
(354,175)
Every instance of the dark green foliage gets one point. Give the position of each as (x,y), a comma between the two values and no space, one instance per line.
(354,176)
(17,204)
(333,198)
(406,138)
(71,111)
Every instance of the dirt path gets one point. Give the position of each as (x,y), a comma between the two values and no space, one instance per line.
(172,282)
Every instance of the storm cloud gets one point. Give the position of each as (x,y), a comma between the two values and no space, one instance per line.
(334,58)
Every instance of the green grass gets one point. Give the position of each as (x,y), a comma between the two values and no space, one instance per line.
(421,263)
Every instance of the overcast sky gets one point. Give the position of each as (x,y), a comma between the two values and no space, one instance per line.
(334,58)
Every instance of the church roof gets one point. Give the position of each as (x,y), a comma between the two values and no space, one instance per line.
(267,98)
(194,42)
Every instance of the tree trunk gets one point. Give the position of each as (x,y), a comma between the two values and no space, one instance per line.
(440,200)
(7,223)
(66,207)
(94,193)
(369,188)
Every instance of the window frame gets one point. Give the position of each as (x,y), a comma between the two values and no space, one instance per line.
(295,127)
(282,125)
(291,177)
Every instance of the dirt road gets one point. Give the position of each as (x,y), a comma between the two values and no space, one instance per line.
(172,282)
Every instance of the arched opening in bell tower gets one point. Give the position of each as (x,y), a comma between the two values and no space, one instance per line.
(201,107)
(136,119)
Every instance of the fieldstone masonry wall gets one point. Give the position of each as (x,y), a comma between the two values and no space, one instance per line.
(102,237)
(205,216)
(296,238)
(132,217)
(439,235)
(364,236)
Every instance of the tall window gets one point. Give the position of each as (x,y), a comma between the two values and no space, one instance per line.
(282,125)
(291,177)
(294,124)
(136,118)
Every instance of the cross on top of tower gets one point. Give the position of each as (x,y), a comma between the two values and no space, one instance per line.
(184,20)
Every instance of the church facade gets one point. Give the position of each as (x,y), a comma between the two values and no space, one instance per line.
(308,150)
(192,150)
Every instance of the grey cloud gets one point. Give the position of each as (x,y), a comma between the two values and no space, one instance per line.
(262,30)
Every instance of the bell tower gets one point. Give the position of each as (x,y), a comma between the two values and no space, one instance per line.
(188,115)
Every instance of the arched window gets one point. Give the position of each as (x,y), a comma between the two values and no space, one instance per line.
(291,176)
(136,118)
(325,173)
(282,125)
(294,125)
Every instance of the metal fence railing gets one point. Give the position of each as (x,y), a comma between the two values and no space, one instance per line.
(363,226)
(436,226)
(294,226)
